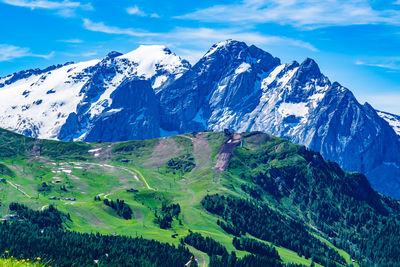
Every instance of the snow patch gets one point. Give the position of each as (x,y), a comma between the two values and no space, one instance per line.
(244,67)
(394,121)
(286,77)
(114,110)
(46,119)
(296,109)
(272,76)
(149,57)
(160,80)
(94,150)
(216,47)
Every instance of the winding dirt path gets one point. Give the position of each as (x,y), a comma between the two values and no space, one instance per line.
(133,172)
(143,179)
(109,166)
(19,189)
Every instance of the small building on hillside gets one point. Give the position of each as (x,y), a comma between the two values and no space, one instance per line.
(132,190)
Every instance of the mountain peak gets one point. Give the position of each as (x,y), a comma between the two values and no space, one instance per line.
(310,65)
(149,57)
(227,45)
(149,51)
(113,54)
(308,70)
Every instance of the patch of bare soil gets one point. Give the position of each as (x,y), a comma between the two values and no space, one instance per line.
(163,151)
(201,151)
(138,215)
(101,152)
(226,151)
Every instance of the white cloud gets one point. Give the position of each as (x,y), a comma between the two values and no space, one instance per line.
(10,52)
(390,64)
(72,41)
(298,13)
(216,35)
(201,35)
(64,8)
(199,39)
(135,11)
(101,27)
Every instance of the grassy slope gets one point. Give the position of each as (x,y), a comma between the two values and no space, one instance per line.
(12,262)
(101,172)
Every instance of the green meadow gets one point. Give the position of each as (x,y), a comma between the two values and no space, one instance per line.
(34,171)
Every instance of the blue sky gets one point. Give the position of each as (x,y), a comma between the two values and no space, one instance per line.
(355,42)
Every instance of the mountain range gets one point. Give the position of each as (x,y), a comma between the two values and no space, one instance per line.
(151,92)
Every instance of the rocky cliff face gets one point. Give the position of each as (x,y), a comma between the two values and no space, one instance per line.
(133,114)
(222,81)
(151,92)
(246,89)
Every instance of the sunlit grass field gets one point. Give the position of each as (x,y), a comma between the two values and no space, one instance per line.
(108,170)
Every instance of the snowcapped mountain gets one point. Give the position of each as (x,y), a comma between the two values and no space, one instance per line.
(80,101)
(151,92)
(393,120)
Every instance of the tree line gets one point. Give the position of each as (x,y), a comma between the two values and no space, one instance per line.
(41,234)
(266,224)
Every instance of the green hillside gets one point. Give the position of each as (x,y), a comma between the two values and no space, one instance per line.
(272,194)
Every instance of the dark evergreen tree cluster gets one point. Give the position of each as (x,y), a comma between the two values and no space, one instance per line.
(123,210)
(166,215)
(50,217)
(255,247)
(40,234)
(205,244)
(262,255)
(266,224)
(247,261)
(5,171)
(340,204)
(43,187)
(253,191)
(181,164)
(229,228)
